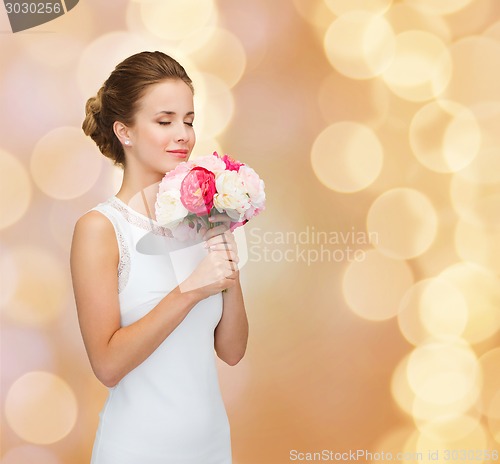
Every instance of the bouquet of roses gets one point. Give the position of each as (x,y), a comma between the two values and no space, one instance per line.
(194,190)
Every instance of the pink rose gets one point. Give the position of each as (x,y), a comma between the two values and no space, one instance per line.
(212,163)
(173,179)
(197,190)
(231,164)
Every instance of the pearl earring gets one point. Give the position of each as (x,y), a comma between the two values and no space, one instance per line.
(127,142)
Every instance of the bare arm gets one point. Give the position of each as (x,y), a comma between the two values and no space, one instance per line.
(231,334)
(114,350)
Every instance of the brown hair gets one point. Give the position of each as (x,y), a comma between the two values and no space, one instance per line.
(118,98)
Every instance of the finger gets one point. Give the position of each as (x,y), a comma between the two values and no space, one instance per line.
(226,237)
(220,217)
(218,245)
(217,230)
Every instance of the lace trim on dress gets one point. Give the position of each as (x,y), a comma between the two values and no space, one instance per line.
(141,221)
(124,265)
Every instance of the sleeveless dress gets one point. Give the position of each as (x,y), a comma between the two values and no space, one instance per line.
(169,409)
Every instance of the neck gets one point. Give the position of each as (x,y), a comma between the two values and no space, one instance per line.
(139,192)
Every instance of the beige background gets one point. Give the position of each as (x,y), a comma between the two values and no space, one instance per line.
(376,127)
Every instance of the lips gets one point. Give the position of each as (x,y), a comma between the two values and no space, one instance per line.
(178,153)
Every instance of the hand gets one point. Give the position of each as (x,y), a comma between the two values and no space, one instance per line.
(219,269)
(219,223)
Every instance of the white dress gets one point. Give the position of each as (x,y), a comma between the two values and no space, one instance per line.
(169,409)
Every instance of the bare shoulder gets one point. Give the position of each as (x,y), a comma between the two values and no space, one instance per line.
(94,233)
(93,222)
(94,225)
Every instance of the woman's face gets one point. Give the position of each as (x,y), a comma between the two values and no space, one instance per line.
(162,135)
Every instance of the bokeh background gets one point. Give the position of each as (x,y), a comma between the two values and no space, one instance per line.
(372,280)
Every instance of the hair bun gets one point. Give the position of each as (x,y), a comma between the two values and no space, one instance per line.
(92,112)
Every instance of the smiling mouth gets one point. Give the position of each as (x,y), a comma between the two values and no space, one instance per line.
(178,153)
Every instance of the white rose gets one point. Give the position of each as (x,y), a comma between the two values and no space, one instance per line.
(231,196)
(169,209)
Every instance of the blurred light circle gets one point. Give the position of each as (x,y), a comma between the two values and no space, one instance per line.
(30,454)
(384,282)
(443,310)
(65,163)
(485,167)
(41,407)
(360,45)
(442,372)
(493,32)
(410,448)
(393,442)
(101,56)
(214,105)
(441,7)
(222,55)
(400,388)
(41,290)
(432,308)
(475,59)
(256,26)
(194,41)
(403,17)
(476,203)
(481,290)
(347,156)
(340,7)
(315,13)
(404,222)
(445,136)
(494,417)
(176,20)
(15,190)
(451,428)
(425,411)
(344,99)
(9,272)
(490,362)
(478,244)
(421,68)
(29,349)
(448,446)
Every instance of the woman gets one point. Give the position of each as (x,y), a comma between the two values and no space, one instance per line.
(150,339)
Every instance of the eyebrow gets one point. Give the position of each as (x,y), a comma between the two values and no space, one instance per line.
(169,113)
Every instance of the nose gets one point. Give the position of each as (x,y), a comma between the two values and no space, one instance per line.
(182,134)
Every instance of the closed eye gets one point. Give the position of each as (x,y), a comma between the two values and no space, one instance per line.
(164,123)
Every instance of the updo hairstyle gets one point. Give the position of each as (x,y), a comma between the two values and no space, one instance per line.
(117,99)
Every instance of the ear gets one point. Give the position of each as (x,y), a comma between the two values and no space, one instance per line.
(122,132)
